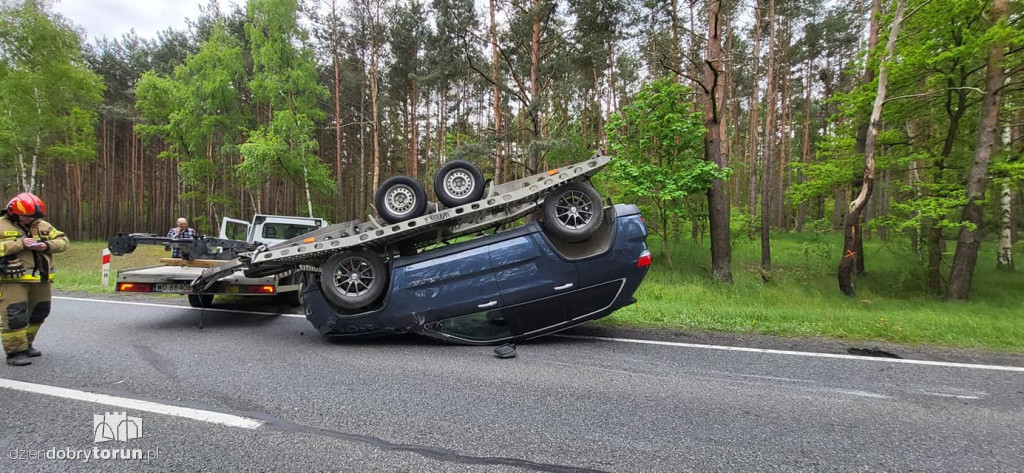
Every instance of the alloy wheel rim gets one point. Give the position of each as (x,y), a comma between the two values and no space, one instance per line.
(354,277)
(574,210)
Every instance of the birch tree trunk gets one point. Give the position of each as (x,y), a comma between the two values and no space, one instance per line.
(1005,258)
(30,185)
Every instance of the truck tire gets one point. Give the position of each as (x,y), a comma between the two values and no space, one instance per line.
(458,183)
(401,198)
(200,300)
(353,279)
(294,298)
(573,212)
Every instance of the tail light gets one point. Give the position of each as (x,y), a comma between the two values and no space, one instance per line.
(645,260)
(260,289)
(134,287)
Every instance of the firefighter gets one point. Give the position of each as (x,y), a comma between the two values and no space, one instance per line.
(26,271)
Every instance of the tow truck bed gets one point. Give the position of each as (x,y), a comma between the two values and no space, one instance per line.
(177,279)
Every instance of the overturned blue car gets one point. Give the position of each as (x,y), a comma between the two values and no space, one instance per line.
(512,285)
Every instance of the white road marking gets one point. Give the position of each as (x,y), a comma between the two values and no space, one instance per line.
(646,342)
(799,353)
(149,304)
(958,396)
(134,404)
(858,392)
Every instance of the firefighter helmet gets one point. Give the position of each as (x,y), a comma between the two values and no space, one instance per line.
(28,205)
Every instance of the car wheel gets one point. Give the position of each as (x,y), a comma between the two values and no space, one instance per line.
(197,300)
(353,279)
(573,212)
(401,198)
(458,182)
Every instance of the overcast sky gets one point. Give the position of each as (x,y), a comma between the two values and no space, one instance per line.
(114,18)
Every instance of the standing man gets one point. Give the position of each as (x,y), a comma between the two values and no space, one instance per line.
(181,231)
(26,271)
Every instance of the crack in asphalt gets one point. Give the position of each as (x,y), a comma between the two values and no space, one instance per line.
(442,454)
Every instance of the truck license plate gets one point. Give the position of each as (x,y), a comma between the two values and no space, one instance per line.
(179,288)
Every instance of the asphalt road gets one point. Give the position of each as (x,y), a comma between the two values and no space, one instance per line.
(409,404)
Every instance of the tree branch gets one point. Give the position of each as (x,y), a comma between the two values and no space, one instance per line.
(669,67)
(925,94)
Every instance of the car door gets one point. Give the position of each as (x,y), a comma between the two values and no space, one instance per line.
(451,292)
(537,286)
(231,229)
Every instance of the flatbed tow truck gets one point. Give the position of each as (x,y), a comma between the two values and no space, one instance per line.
(174,275)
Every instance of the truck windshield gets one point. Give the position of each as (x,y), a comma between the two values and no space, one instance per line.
(285,231)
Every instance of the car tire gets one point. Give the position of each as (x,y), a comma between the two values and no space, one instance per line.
(401,198)
(573,212)
(353,279)
(458,183)
(200,300)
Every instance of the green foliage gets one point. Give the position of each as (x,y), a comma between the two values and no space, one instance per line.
(48,95)
(198,113)
(930,119)
(285,79)
(285,145)
(658,141)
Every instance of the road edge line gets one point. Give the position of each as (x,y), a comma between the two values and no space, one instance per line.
(134,404)
(946,364)
(174,306)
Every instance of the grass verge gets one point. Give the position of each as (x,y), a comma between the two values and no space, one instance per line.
(803,298)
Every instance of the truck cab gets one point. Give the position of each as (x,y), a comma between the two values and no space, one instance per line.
(269,229)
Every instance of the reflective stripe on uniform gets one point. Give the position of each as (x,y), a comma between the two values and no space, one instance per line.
(32,329)
(13,334)
(15,341)
(11,233)
(26,278)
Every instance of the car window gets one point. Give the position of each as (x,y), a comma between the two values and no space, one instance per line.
(236,231)
(479,326)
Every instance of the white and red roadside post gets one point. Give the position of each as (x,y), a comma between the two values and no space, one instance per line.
(106,267)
